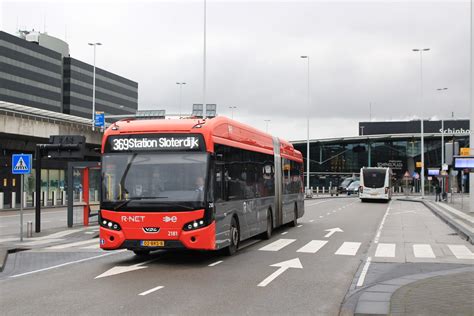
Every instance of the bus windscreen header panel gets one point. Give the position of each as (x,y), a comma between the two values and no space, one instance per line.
(154,142)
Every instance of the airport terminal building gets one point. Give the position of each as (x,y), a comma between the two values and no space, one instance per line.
(394,144)
(44,91)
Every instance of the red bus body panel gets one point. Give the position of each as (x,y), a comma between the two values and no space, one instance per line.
(132,224)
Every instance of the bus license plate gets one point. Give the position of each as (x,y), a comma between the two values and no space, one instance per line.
(152,243)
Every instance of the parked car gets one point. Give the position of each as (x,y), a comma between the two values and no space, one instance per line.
(353,188)
(345,184)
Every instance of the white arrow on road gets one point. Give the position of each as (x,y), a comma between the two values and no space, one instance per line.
(285,265)
(332,231)
(123,269)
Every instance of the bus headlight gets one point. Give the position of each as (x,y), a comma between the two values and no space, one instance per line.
(194,225)
(109,224)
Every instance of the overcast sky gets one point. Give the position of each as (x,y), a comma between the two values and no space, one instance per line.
(360,53)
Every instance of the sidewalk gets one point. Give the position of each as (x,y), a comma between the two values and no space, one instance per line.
(446,292)
(456,214)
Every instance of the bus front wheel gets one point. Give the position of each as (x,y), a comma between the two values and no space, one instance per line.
(141,253)
(234,238)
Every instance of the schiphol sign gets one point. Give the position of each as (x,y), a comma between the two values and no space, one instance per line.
(460,131)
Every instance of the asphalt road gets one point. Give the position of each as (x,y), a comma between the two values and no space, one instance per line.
(204,283)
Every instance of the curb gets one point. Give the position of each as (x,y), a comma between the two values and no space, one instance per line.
(4,252)
(463,231)
(375,299)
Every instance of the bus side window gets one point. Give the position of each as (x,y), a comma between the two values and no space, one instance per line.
(219,182)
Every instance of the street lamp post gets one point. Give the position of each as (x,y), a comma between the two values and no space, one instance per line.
(266,125)
(307,127)
(204,60)
(422,136)
(442,143)
(232,111)
(93,87)
(180,85)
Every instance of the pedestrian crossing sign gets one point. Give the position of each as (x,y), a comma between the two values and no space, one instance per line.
(21,164)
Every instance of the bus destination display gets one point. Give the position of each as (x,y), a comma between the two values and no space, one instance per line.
(154,142)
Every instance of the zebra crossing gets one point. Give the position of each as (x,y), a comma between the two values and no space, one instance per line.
(382,250)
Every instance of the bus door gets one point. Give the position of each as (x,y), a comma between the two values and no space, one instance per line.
(278,183)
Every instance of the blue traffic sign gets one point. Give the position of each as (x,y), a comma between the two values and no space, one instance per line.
(99,119)
(21,163)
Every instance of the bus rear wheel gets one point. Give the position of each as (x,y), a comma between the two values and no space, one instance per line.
(234,238)
(268,233)
(294,222)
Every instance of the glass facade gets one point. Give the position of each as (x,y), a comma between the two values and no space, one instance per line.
(333,160)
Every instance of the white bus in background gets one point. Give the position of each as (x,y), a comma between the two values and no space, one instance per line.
(375,184)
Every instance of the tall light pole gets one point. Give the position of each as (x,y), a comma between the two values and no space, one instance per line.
(204,62)
(442,141)
(180,85)
(422,136)
(232,111)
(266,125)
(93,87)
(307,126)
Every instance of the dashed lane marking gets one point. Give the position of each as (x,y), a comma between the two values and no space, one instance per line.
(284,233)
(461,252)
(313,246)
(423,251)
(215,263)
(151,290)
(277,245)
(299,225)
(385,250)
(348,248)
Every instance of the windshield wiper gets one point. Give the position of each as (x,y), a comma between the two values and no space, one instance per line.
(125,172)
(137,198)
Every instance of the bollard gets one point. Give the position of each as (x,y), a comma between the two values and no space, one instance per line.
(96,195)
(55,198)
(80,196)
(13,199)
(317,190)
(1,200)
(63,197)
(34,199)
(25,199)
(29,229)
(323,190)
(45,198)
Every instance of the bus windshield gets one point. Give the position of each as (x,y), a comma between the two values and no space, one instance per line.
(153,181)
(374,178)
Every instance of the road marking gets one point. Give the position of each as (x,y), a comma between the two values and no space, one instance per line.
(299,225)
(285,265)
(332,231)
(89,233)
(318,203)
(321,216)
(151,290)
(284,233)
(41,242)
(68,263)
(423,251)
(215,263)
(377,235)
(277,245)
(361,280)
(311,221)
(94,246)
(348,249)
(313,246)
(123,269)
(461,252)
(385,250)
(328,213)
(73,244)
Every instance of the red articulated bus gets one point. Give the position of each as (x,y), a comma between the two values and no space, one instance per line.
(203,184)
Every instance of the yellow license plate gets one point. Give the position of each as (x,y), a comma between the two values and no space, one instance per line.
(152,243)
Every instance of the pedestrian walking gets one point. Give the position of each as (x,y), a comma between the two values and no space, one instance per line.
(438,193)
